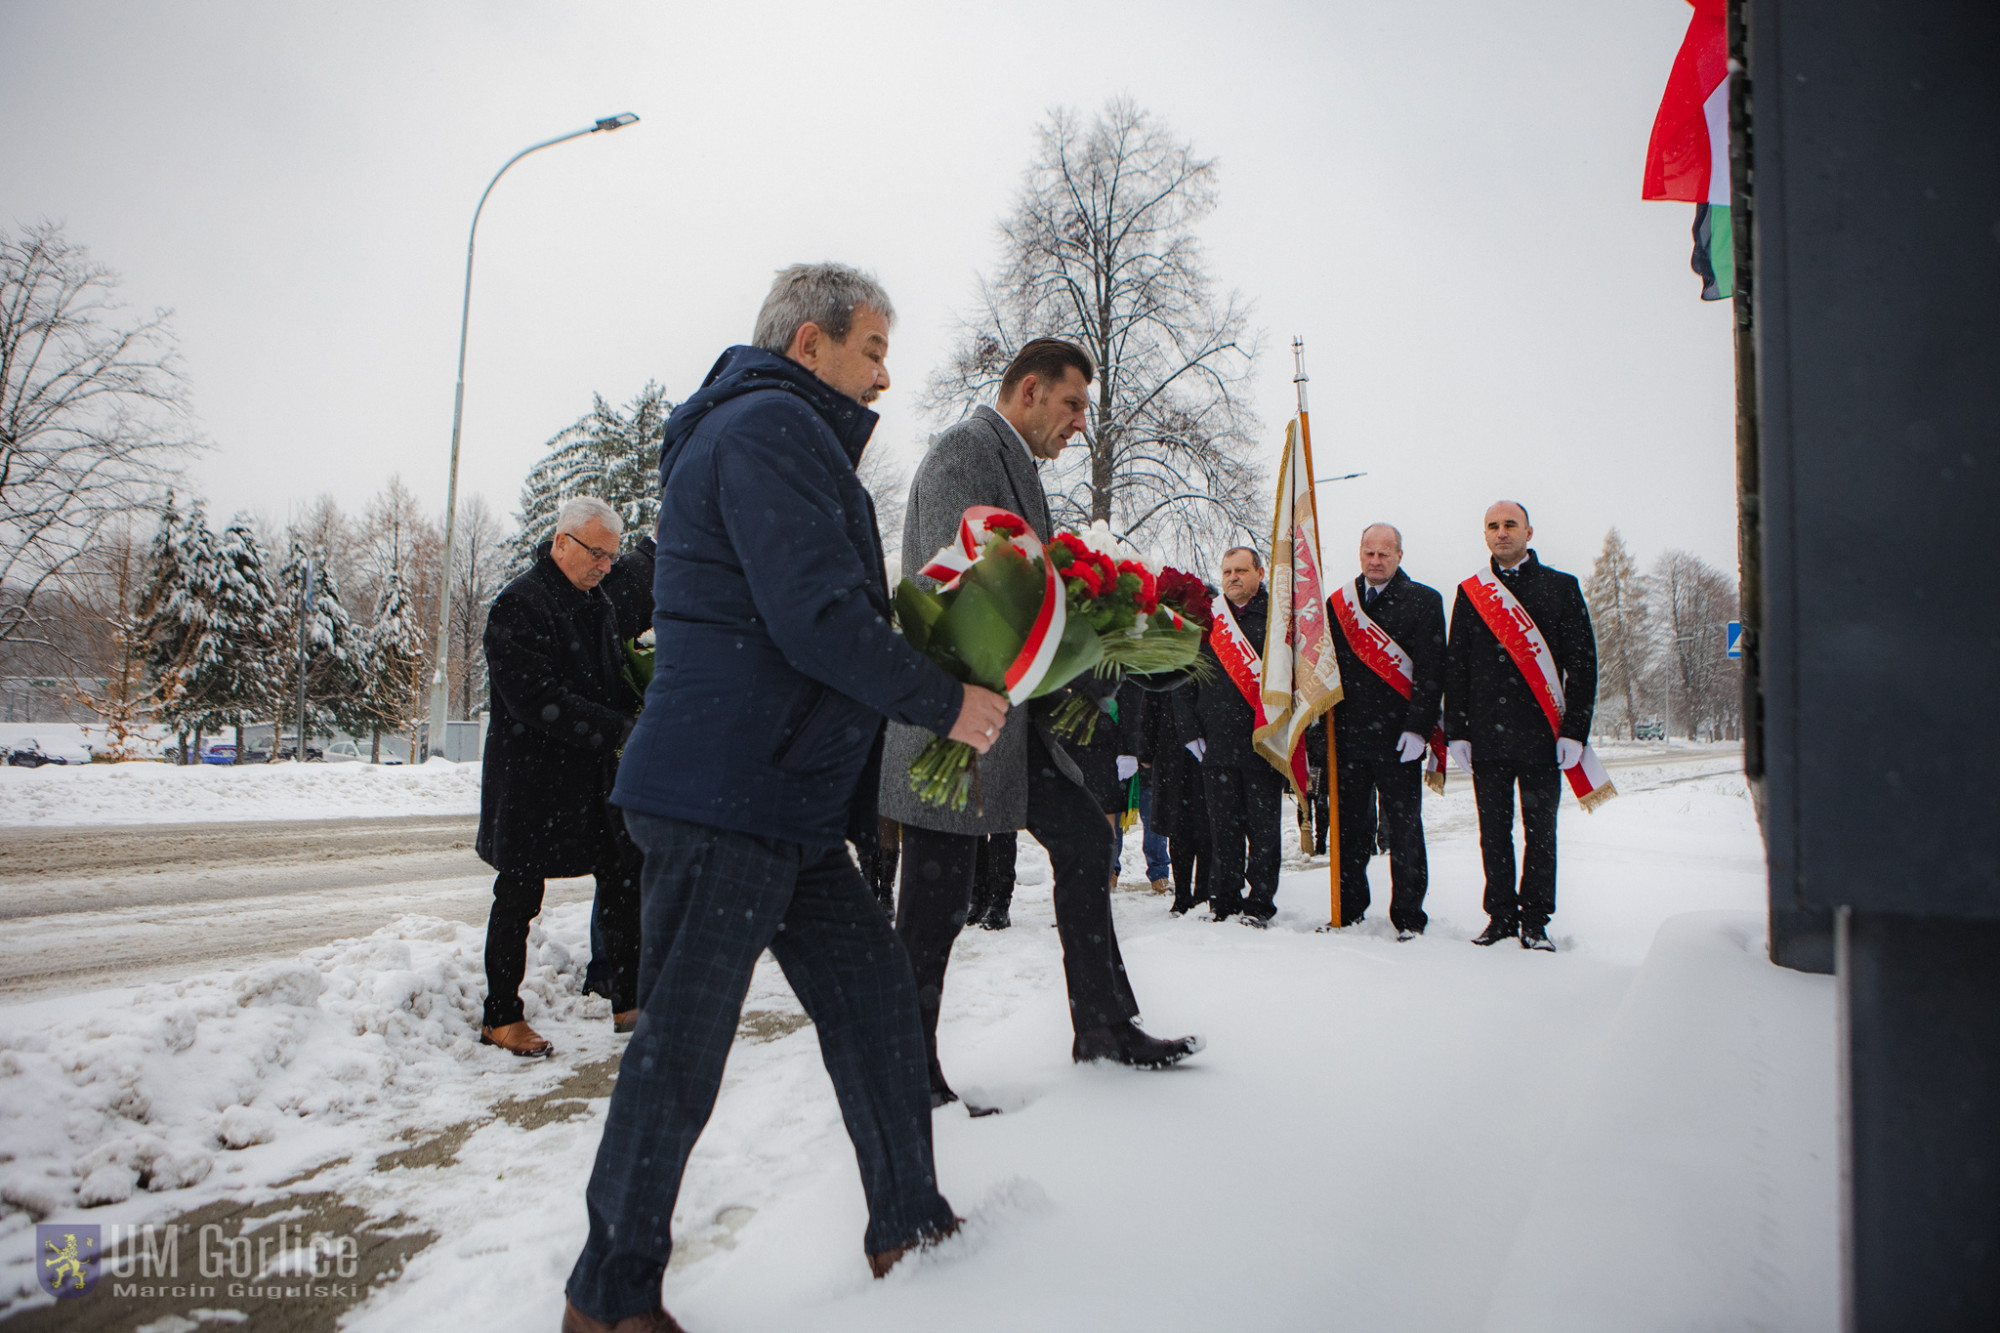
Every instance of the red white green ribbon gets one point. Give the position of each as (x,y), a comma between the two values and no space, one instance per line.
(1038,652)
(1386,658)
(1518,634)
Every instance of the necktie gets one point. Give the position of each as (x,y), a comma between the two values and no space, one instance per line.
(1368,597)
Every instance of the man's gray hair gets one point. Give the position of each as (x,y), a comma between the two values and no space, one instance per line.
(587,509)
(822,294)
(1391,526)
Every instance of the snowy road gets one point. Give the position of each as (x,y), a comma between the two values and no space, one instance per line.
(95,906)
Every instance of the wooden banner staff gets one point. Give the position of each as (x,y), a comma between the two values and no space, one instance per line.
(1300,379)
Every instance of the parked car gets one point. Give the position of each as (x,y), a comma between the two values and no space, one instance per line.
(289,750)
(28,753)
(343,752)
(1649,731)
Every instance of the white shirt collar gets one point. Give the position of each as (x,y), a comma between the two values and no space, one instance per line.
(1019,438)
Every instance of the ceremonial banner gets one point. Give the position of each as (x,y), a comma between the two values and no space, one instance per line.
(1687,157)
(1386,658)
(1522,638)
(1301,676)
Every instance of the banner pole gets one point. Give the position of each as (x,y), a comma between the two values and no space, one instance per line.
(1299,380)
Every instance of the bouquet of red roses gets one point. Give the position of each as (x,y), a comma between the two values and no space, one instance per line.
(1025,620)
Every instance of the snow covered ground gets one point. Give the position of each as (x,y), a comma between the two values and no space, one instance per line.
(1634,1133)
(151,793)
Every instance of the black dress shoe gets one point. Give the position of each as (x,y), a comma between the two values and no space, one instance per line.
(1404,934)
(997,919)
(1537,937)
(1129,1045)
(1496,930)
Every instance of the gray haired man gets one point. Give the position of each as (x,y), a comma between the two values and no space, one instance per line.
(560,710)
(752,765)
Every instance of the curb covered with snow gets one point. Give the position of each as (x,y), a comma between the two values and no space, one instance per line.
(144,793)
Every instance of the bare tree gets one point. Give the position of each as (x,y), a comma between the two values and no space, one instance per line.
(1692,603)
(888,485)
(110,580)
(479,568)
(1101,249)
(92,414)
(1617,596)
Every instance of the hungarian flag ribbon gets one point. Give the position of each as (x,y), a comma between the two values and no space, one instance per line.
(978,525)
(1687,157)
(1386,658)
(1522,638)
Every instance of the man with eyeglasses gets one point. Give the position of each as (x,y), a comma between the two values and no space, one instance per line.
(561,709)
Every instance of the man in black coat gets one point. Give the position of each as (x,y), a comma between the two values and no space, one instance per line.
(1245,793)
(1500,735)
(1380,737)
(561,707)
(754,762)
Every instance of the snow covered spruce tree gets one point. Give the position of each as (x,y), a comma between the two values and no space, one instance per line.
(1616,593)
(175,610)
(236,668)
(1101,249)
(92,415)
(393,666)
(334,655)
(612,455)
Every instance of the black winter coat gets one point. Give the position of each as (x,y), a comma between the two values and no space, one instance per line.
(1221,716)
(1485,699)
(629,585)
(560,710)
(1180,805)
(775,660)
(1371,714)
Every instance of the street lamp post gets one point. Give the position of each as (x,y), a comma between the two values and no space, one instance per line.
(440,692)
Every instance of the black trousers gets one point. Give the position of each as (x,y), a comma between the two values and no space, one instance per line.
(1493,785)
(713,901)
(1194,870)
(1399,789)
(1244,814)
(993,878)
(878,867)
(938,870)
(614,912)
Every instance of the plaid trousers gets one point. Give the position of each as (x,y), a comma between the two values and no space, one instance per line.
(712,901)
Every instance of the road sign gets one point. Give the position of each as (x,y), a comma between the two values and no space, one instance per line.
(1732,644)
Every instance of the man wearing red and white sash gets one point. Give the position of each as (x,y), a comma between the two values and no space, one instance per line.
(1245,793)
(1511,730)
(1391,649)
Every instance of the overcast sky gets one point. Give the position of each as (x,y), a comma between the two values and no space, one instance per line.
(1440,196)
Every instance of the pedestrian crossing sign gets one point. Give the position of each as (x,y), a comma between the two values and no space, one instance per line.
(1732,645)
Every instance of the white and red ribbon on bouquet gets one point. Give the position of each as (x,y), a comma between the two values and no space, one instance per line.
(1038,652)
(1387,659)
(1522,638)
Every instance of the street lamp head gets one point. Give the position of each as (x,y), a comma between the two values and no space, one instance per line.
(617,122)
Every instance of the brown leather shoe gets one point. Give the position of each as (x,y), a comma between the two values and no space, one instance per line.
(1162,885)
(517,1039)
(653,1321)
(626,1021)
(880,1264)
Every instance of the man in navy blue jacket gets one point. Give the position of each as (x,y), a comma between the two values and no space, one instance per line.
(755,759)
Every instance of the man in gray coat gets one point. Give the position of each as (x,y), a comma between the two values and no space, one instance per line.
(1026,780)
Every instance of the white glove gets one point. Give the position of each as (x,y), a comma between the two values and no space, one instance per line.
(1410,747)
(1198,748)
(1127,766)
(1568,752)
(1461,754)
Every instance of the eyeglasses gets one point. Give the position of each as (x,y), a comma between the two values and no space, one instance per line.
(608,557)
